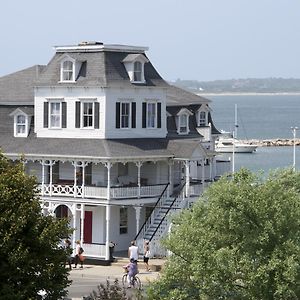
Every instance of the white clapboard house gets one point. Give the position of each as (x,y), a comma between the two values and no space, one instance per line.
(114,147)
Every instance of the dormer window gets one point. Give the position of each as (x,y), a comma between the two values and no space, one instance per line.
(22,118)
(182,121)
(20,125)
(67,71)
(202,115)
(137,72)
(134,64)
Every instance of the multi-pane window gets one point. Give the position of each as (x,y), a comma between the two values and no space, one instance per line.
(202,118)
(125,114)
(21,125)
(123,220)
(151,115)
(55,114)
(67,71)
(183,123)
(88,114)
(137,72)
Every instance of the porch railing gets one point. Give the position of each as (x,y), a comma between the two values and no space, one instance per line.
(94,250)
(101,192)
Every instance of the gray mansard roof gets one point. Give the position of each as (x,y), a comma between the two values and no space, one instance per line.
(33,147)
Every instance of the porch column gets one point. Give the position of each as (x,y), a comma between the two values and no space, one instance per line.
(187,178)
(82,207)
(51,163)
(83,165)
(210,169)
(137,218)
(203,171)
(171,179)
(108,165)
(139,165)
(74,163)
(74,226)
(43,177)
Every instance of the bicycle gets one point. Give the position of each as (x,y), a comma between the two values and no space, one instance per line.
(135,281)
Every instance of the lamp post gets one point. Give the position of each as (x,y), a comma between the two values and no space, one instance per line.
(294,130)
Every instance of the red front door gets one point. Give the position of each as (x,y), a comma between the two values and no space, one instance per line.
(88,227)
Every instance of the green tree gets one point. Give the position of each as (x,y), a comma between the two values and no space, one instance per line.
(31,259)
(240,241)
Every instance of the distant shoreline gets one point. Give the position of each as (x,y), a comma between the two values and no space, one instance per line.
(250,94)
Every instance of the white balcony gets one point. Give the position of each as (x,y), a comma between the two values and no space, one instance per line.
(96,192)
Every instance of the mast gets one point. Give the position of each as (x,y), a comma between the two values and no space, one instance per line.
(234,137)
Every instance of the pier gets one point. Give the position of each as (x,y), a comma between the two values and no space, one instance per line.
(272,142)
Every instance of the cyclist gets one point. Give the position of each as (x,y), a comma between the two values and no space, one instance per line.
(132,270)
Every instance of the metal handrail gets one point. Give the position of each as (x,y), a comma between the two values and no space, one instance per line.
(159,198)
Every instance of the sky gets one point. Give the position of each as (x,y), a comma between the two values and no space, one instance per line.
(188,39)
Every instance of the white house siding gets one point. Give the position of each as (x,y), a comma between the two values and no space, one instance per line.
(66,171)
(138,95)
(99,175)
(70,96)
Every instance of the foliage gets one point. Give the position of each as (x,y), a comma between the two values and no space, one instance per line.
(31,259)
(240,241)
(114,292)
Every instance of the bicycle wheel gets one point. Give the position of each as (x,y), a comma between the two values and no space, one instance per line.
(124,279)
(137,283)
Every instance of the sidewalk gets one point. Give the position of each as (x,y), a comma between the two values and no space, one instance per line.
(99,274)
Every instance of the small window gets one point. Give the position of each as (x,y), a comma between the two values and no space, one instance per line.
(21,125)
(183,123)
(202,118)
(123,220)
(137,73)
(67,71)
(55,115)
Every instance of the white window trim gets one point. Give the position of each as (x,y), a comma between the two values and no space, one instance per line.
(16,134)
(186,125)
(60,113)
(155,119)
(62,69)
(129,115)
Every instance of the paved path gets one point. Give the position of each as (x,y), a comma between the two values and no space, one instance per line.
(85,280)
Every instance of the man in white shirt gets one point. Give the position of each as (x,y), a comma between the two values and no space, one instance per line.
(133,251)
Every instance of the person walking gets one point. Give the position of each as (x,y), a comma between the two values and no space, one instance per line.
(69,250)
(133,251)
(78,254)
(146,255)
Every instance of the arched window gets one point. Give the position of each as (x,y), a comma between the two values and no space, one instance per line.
(67,72)
(137,72)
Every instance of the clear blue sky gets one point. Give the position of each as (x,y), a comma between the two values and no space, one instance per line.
(187,39)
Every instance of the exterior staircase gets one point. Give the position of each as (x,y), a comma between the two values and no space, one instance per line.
(157,224)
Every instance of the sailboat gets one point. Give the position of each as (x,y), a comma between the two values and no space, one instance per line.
(228,143)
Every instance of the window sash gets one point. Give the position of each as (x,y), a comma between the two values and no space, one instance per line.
(151,115)
(183,123)
(55,115)
(67,71)
(87,114)
(123,220)
(21,124)
(137,73)
(202,118)
(125,114)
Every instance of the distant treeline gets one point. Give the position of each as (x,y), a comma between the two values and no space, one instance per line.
(249,85)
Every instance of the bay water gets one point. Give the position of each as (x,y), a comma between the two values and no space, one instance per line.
(260,117)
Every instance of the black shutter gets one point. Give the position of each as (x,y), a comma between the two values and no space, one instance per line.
(117,114)
(77,114)
(158,115)
(133,114)
(64,115)
(96,120)
(46,114)
(144,114)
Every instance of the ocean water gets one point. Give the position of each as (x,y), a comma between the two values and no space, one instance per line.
(260,117)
